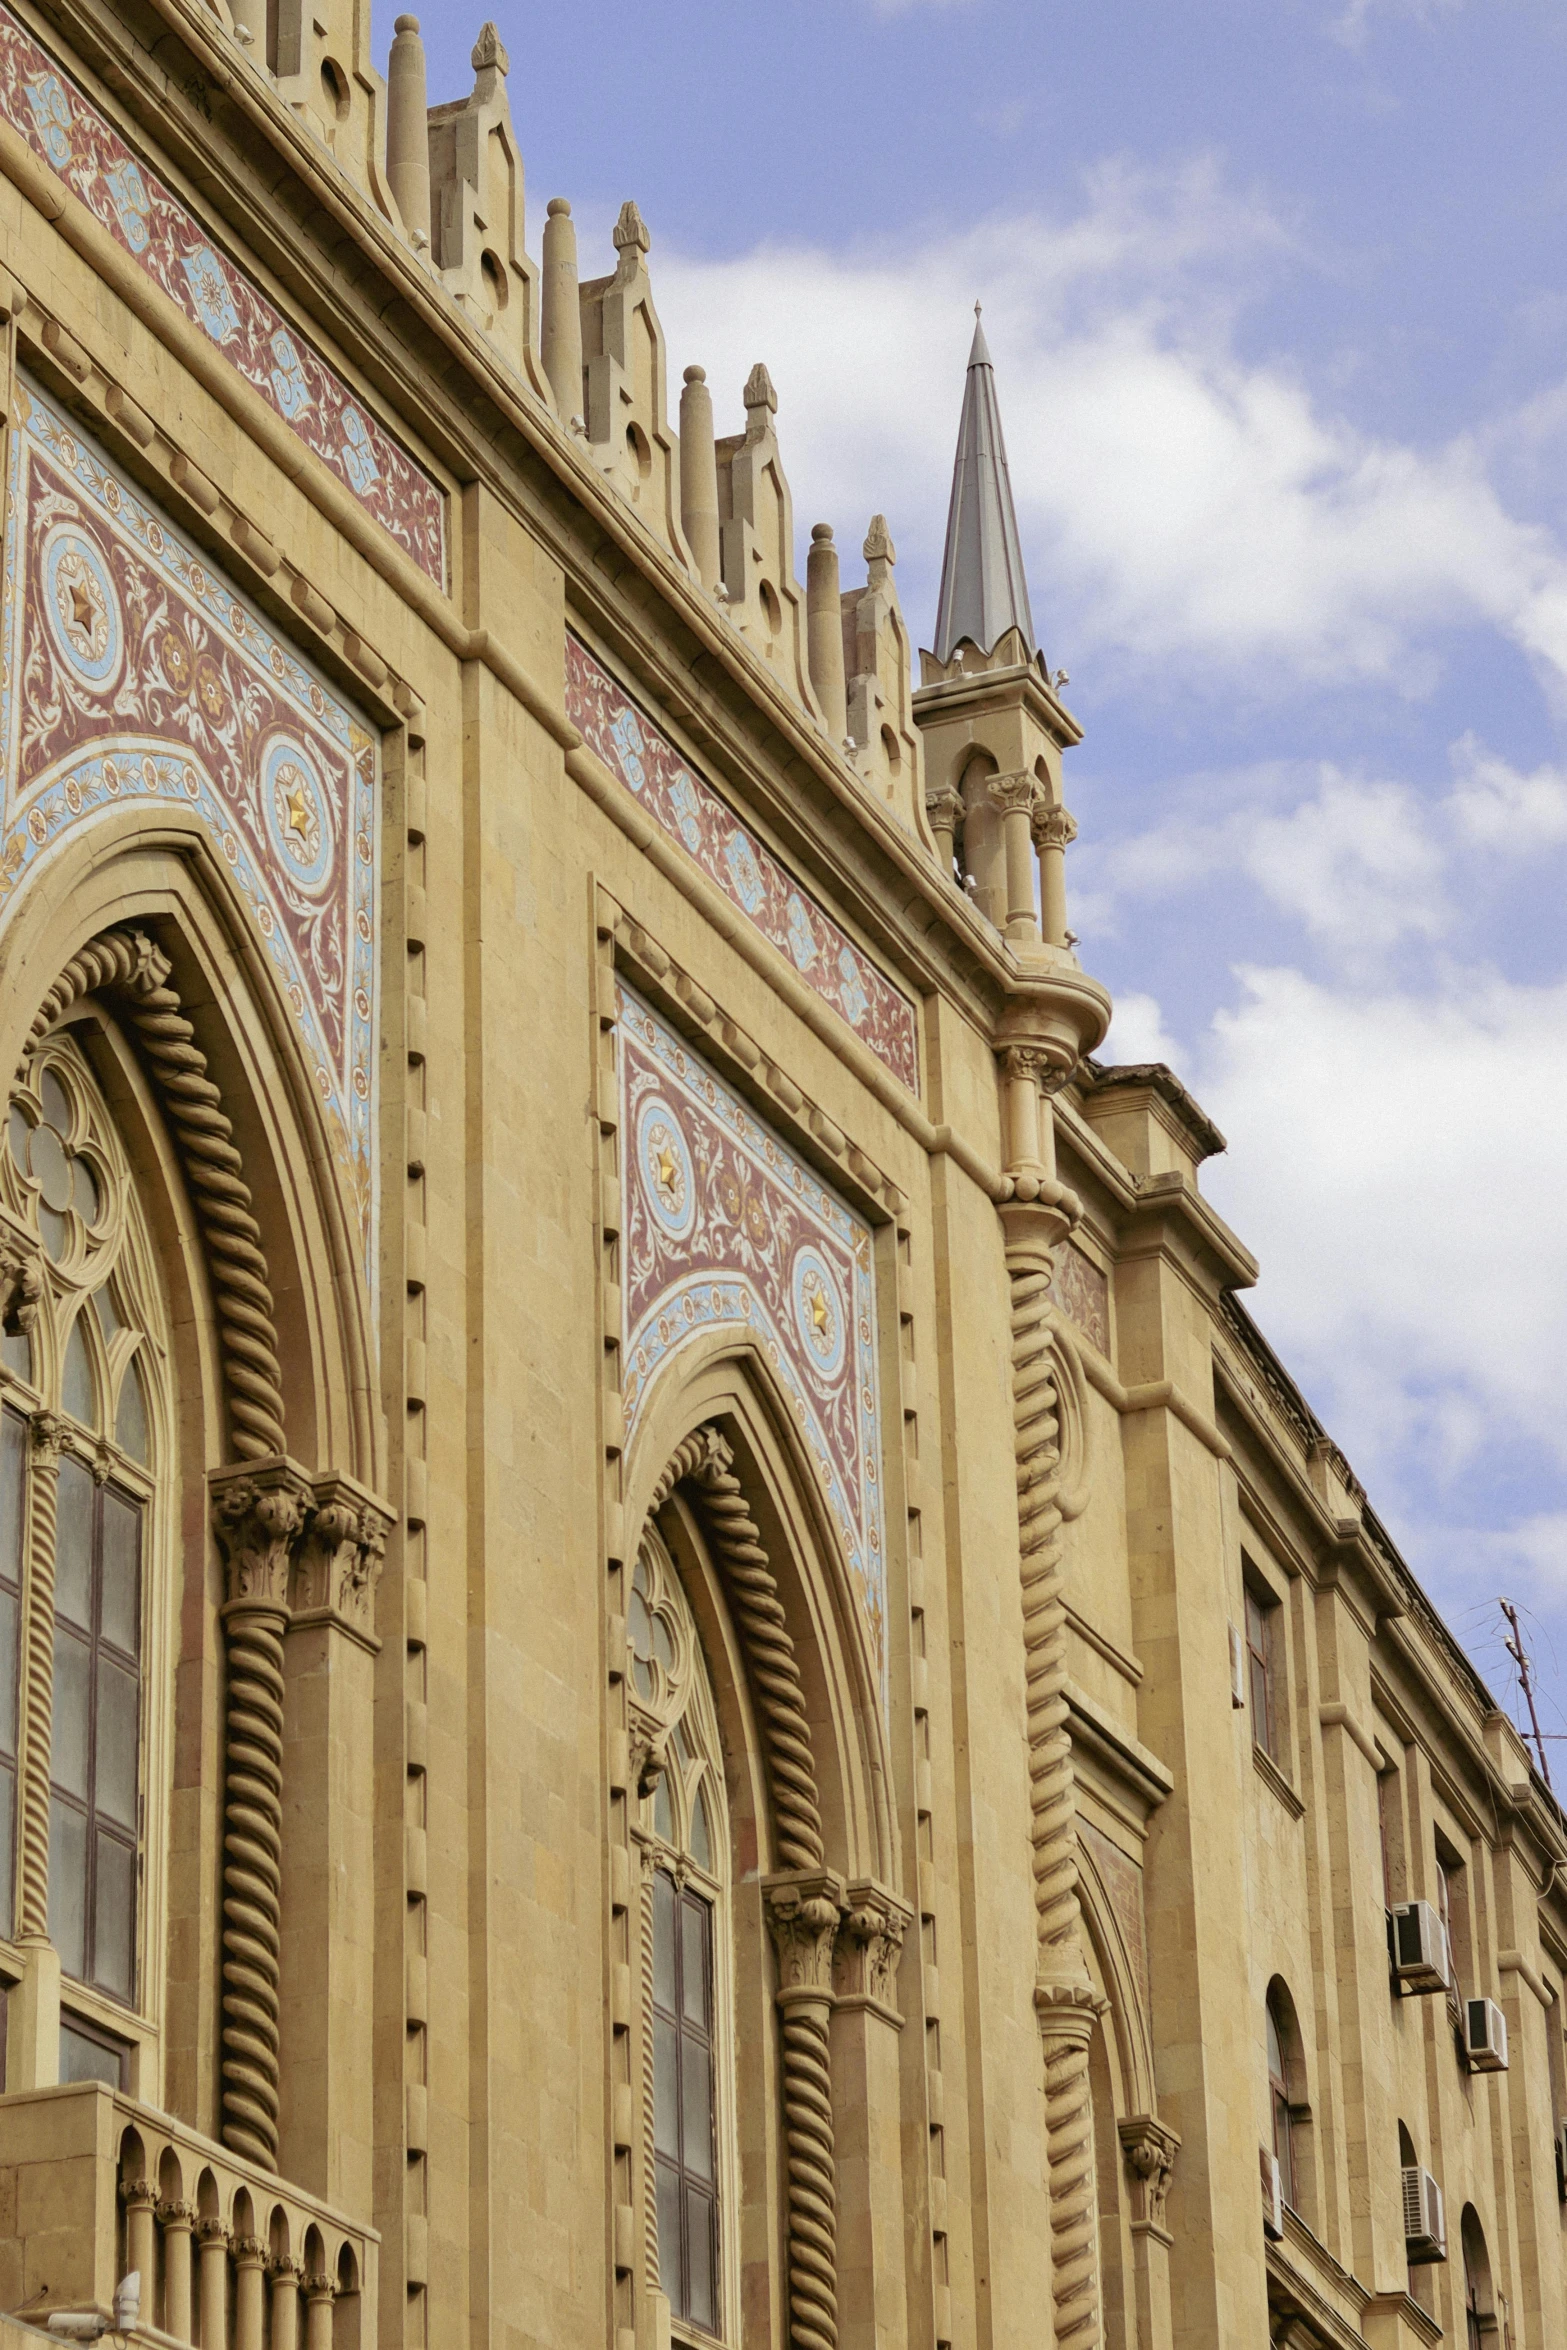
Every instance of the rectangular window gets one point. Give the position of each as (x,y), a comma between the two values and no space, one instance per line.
(13,1487)
(684,2138)
(1259,1667)
(93,1842)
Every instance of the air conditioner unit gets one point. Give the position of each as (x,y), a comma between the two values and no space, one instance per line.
(1425,2228)
(1237,1668)
(1485,2036)
(1272,2193)
(1419,1946)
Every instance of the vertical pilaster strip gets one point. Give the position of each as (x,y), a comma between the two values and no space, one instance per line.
(1063,1995)
(47,1433)
(257,1515)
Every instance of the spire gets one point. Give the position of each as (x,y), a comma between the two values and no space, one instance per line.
(983,590)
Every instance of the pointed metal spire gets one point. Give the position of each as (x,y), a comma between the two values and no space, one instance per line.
(983,590)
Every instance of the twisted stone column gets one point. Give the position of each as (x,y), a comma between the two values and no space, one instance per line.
(804,1906)
(257,1515)
(1064,1999)
(803,1913)
(47,1432)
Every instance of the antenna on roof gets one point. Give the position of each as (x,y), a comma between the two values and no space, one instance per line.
(1520,1656)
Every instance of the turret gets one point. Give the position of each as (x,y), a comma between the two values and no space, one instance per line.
(993,726)
(757,540)
(476,211)
(626,376)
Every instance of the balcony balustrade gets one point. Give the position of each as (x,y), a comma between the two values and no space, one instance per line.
(93,2185)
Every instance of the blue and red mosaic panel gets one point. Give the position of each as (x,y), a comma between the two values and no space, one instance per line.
(725,1228)
(132,674)
(691,812)
(170,245)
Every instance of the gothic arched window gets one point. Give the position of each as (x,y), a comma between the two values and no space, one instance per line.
(84,1374)
(684,1837)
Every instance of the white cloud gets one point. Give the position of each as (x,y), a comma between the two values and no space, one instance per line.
(1137,1033)
(1353,25)
(1188,504)
(1396,1162)
(1496,807)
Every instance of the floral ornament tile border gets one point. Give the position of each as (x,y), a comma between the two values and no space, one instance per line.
(690,811)
(133,674)
(68,133)
(727,1229)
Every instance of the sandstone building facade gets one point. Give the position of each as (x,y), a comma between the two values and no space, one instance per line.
(673,1668)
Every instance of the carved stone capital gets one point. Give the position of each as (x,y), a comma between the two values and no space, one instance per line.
(1149,2146)
(175,2214)
(1014,795)
(1053,828)
(249,2252)
(1066,2010)
(21,1275)
(257,1512)
(870,1939)
(944,807)
(139,2195)
(212,2231)
(320,2287)
(50,1435)
(803,1914)
(341,1550)
(282,2267)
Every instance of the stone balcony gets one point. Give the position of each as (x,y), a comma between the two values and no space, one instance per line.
(93,2185)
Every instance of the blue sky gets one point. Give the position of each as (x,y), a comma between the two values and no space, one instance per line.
(1277,292)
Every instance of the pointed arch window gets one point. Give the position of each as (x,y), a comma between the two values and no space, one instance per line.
(684,1837)
(80,1406)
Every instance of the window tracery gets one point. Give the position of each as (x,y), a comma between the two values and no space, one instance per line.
(684,1837)
(84,1369)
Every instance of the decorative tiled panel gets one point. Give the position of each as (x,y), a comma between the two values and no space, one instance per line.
(131,674)
(725,1228)
(648,764)
(164,240)
(1082,1293)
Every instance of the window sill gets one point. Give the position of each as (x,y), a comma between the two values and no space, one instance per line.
(1268,1770)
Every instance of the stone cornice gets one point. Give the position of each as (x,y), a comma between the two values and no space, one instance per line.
(484,422)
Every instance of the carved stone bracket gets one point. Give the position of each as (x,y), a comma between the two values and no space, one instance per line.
(1150,2148)
(337,1564)
(649,1745)
(870,1941)
(21,1274)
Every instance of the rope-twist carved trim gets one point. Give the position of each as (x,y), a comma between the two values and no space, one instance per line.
(1068,2114)
(126,965)
(252,1885)
(752,1591)
(704,1464)
(813,2190)
(46,1432)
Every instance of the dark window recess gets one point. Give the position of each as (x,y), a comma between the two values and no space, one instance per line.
(97,1733)
(1259,1666)
(683,2134)
(1279,2106)
(13,1471)
(87,2053)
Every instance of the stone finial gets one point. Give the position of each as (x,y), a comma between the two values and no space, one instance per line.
(489,52)
(699,479)
(561,332)
(824,631)
(407,130)
(759,392)
(878,547)
(631,232)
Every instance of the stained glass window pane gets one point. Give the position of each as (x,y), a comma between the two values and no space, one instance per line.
(666,2116)
(696,2108)
(72,1684)
(114,1922)
(73,1545)
(114,1755)
(9,1610)
(693,1970)
(51,1167)
(108,1314)
(663,1817)
(86,1198)
(68,1886)
(669,2263)
(56,1101)
(130,1420)
(82,2059)
(702,2284)
(119,1605)
(17,1131)
(52,1226)
(76,1388)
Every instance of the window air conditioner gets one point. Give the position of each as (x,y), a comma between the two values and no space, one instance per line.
(1485,2036)
(1419,1947)
(1272,2193)
(1425,2231)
